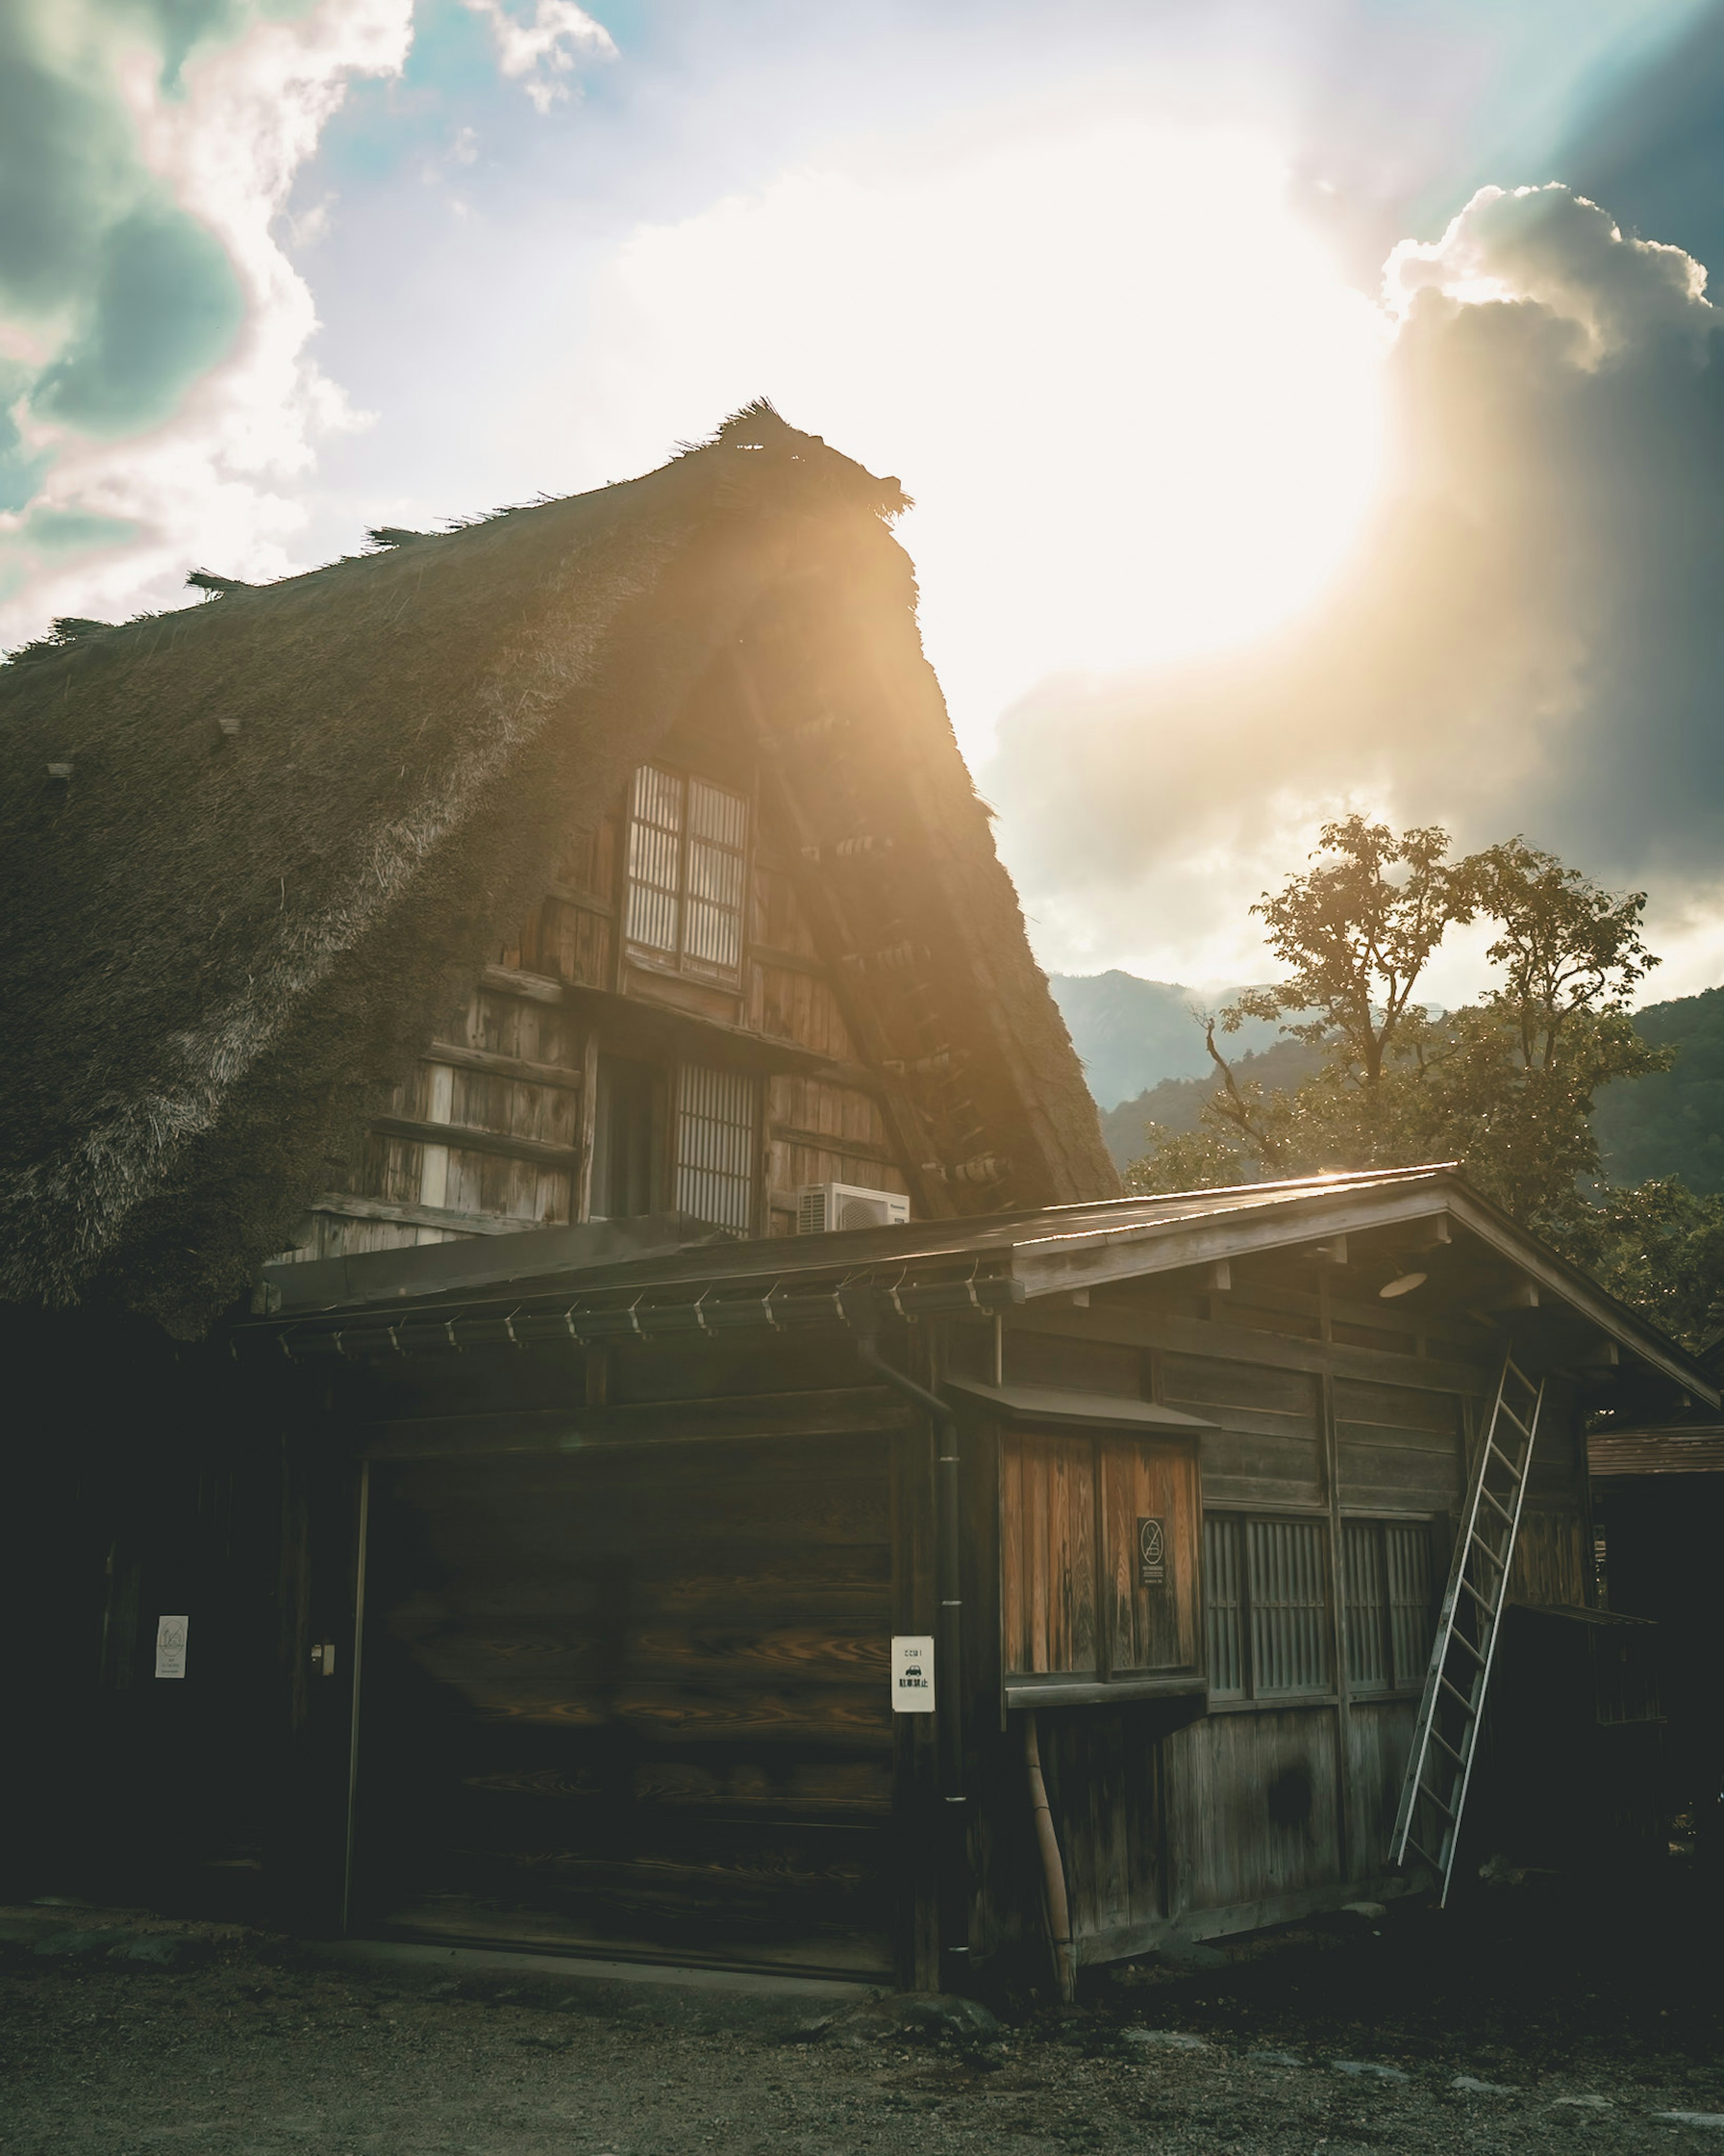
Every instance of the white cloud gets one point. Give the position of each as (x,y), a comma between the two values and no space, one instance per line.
(1527,640)
(545,49)
(214,482)
(1059,334)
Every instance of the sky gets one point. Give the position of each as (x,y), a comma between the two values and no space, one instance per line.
(1310,405)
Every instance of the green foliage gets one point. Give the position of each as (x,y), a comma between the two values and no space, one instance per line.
(1505,1086)
(1672,1124)
(1175,1105)
(1659,1247)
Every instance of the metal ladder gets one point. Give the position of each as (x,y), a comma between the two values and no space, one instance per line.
(1440,1766)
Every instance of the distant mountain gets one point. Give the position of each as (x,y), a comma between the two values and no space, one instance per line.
(1143,1050)
(1176,1103)
(1672,1124)
(1132,1033)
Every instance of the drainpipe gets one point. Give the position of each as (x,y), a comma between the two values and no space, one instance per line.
(948,1714)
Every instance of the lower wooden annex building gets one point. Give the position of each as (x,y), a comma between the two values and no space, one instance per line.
(578,1620)
(474,1475)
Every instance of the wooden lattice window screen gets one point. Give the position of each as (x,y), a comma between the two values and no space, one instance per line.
(688,849)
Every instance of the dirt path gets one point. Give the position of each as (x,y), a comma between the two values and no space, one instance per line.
(1329,2038)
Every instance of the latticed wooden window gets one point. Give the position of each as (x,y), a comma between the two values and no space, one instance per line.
(1224,1607)
(717,1123)
(688,847)
(1266,1608)
(1386,1603)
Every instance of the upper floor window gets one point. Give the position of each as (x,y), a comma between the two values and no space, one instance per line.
(688,841)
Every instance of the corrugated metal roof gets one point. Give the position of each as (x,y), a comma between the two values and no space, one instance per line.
(1689,1448)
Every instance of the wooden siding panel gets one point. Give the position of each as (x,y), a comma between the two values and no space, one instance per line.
(1550,1558)
(634,1701)
(1399,1448)
(1379,1738)
(511,1025)
(789,1005)
(1268,1450)
(1048,1584)
(1104,1775)
(1256,1815)
(817,1105)
(777,918)
(568,941)
(1053,1359)
(591,862)
(1154,1627)
(508,1189)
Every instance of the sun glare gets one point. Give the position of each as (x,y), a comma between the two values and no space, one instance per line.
(1134,398)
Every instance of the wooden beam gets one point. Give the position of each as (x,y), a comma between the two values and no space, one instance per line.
(671,1029)
(589,901)
(470,1140)
(346,1206)
(829,1142)
(1137,1251)
(1215,1337)
(842,1412)
(791,961)
(530,987)
(503,1067)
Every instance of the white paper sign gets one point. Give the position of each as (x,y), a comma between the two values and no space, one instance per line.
(171,1646)
(912,1674)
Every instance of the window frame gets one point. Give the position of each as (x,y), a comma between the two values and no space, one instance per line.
(665,1091)
(677,1166)
(1398,1685)
(677,958)
(1241,1518)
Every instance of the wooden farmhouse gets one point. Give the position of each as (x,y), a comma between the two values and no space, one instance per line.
(583,1377)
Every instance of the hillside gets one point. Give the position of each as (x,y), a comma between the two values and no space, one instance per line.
(1672,1124)
(1176,1103)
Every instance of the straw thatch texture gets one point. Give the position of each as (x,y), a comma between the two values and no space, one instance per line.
(300,818)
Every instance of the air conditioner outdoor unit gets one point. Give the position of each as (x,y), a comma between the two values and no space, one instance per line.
(823,1206)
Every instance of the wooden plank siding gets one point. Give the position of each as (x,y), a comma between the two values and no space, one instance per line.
(1401,1448)
(516,1076)
(634,1701)
(1200,1818)
(1268,1450)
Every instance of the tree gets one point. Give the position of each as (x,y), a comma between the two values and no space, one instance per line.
(1355,932)
(1505,1085)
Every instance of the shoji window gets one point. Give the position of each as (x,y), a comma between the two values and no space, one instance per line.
(717,1138)
(1266,1609)
(688,849)
(1387,1604)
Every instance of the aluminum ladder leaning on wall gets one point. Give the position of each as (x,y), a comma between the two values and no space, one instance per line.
(1440,1766)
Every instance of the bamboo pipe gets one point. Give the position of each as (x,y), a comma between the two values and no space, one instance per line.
(1053,1868)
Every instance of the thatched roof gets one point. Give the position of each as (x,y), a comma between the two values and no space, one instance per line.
(299,818)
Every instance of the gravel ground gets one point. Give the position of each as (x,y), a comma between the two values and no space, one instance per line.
(121,2033)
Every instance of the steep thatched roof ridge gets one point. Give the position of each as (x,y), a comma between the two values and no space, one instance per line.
(295,820)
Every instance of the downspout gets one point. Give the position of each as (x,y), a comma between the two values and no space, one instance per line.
(948,1715)
(1053,1868)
